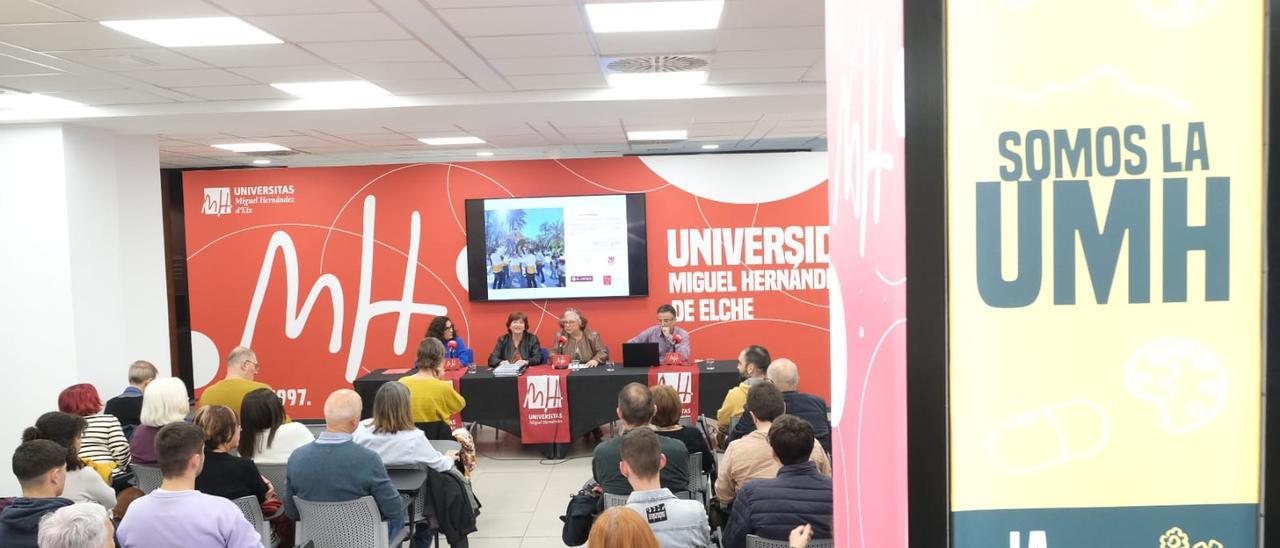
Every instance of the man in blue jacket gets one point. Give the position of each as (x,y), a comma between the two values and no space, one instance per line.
(41,469)
(800,495)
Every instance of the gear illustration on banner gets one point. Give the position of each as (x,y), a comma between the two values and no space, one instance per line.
(1182,378)
(1175,537)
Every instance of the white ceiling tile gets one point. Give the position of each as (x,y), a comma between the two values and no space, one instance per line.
(817,73)
(26,11)
(305,73)
(428,87)
(771,13)
(187,78)
(112,97)
(639,43)
(770,38)
(68,36)
(445,4)
(766,59)
(336,27)
(252,56)
(751,76)
(235,93)
(561,19)
(54,83)
(546,45)
(558,81)
(517,141)
(115,60)
(13,66)
(389,71)
(547,65)
(390,51)
(294,7)
(106,10)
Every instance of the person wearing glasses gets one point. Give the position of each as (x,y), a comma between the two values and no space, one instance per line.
(581,344)
(669,336)
(242,367)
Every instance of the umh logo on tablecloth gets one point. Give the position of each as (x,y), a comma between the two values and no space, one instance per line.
(682,378)
(543,392)
(544,405)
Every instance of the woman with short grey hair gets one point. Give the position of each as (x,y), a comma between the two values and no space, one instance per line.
(80,525)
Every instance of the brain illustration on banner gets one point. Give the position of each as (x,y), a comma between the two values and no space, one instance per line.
(331,273)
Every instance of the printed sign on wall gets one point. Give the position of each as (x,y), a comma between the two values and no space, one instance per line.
(1105,225)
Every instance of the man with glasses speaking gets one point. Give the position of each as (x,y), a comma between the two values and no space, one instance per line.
(242,367)
(669,336)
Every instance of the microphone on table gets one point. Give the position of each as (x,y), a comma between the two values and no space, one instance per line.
(453,348)
(563,341)
(676,339)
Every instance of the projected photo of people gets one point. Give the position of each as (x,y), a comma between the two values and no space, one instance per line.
(525,248)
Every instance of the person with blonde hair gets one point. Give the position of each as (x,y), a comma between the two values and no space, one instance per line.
(621,527)
(164,401)
(392,435)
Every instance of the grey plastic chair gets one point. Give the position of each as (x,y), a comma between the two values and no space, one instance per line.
(149,477)
(444,446)
(697,481)
(757,542)
(253,512)
(347,524)
(276,474)
(611,500)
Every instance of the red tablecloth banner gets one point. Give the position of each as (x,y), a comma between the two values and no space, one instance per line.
(455,377)
(544,405)
(684,378)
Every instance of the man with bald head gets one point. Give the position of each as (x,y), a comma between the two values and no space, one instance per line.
(242,368)
(784,374)
(334,469)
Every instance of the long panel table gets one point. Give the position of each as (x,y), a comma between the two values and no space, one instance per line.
(593,394)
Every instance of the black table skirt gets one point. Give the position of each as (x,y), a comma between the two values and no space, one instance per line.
(593,394)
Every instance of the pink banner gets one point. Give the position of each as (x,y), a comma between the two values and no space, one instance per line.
(865,124)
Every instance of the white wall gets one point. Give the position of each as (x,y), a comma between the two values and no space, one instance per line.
(82,287)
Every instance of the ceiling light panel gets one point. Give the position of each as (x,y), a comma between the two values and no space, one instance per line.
(194,32)
(655,16)
(444,141)
(342,89)
(250,147)
(661,135)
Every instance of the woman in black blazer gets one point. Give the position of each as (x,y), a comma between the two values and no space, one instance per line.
(518,345)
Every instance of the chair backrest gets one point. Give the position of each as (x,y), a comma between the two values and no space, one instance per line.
(733,424)
(444,446)
(419,505)
(149,477)
(611,500)
(757,542)
(253,512)
(347,524)
(276,474)
(695,472)
(436,430)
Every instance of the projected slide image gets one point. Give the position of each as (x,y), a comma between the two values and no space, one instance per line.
(524,248)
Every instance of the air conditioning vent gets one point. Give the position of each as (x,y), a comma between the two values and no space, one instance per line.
(655,63)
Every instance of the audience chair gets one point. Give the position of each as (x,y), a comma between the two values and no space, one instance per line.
(253,512)
(276,474)
(444,446)
(697,481)
(149,477)
(733,425)
(348,524)
(611,500)
(757,542)
(436,430)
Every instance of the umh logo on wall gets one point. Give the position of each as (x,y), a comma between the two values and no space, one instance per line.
(217,201)
(543,392)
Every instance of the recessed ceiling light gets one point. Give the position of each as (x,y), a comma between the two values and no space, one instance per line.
(251,147)
(655,16)
(710,147)
(442,141)
(664,135)
(16,100)
(261,162)
(484,154)
(193,32)
(342,89)
(658,80)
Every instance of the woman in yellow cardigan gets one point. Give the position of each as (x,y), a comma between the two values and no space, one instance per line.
(432,398)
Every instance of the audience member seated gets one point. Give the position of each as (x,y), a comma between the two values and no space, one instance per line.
(442,329)
(518,345)
(226,475)
(41,469)
(666,334)
(81,525)
(335,469)
(751,457)
(635,408)
(753,363)
(164,401)
(242,367)
(103,440)
(177,515)
(785,375)
(666,422)
(127,407)
(433,397)
(83,483)
(621,527)
(264,436)
(392,435)
(799,496)
(677,523)
(581,344)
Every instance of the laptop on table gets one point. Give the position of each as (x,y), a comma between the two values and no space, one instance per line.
(639,354)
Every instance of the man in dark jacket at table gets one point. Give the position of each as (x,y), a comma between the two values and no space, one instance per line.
(771,508)
(784,374)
